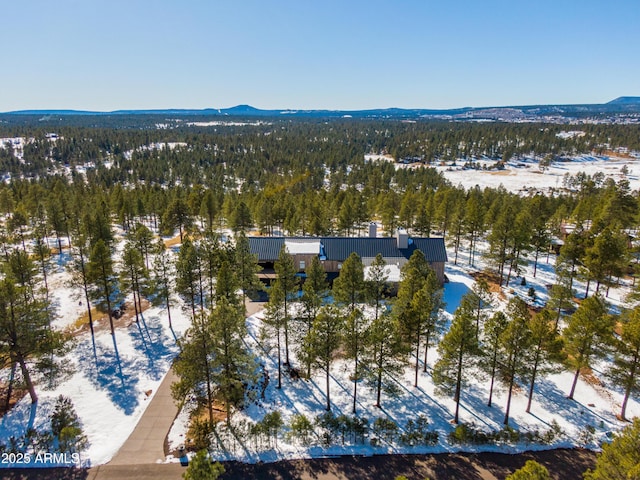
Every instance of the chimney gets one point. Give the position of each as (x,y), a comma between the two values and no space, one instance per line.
(402,237)
(373,230)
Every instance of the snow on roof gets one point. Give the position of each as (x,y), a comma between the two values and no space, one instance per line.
(303,246)
(392,271)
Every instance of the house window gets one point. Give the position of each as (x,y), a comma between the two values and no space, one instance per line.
(302,265)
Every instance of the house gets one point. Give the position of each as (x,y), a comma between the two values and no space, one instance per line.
(333,251)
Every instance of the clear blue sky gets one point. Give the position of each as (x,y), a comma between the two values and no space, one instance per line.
(335,54)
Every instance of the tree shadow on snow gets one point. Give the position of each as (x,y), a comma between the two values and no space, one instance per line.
(150,340)
(111,373)
(554,400)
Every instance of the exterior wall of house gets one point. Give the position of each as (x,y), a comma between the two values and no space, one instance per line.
(306,258)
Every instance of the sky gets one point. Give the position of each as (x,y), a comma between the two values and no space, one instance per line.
(316,54)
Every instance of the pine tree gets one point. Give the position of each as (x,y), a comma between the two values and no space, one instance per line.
(194,367)
(201,468)
(26,336)
(233,368)
(625,371)
(493,329)
(144,241)
(133,273)
(325,339)
(273,322)
(560,297)
(101,276)
(247,267)
(177,216)
(188,277)
(606,258)
(211,254)
(241,217)
(428,304)
(314,293)
(474,220)
(458,349)
(547,349)
(283,289)
(386,352)
(414,276)
(588,333)
(532,470)
(376,283)
(348,290)
(571,255)
(515,345)
(620,459)
(163,272)
(227,284)
(499,238)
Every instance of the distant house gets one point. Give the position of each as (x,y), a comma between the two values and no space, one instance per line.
(333,251)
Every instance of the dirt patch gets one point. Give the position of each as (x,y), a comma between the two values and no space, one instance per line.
(500,172)
(101,319)
(173,241)
(201,416)
(16,395)
(492,279)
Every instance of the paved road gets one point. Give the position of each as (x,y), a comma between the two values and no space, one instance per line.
(146,443)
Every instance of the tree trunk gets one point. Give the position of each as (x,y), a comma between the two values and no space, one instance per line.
(166,297)
(426,350)
(493,376)
(279,359)
(629,386)
(286,329)
(506,413)
(327,378)
(355,382)
(458,385)
(379,376)
(27,378)
(12,377)
(573,386)
(533,377)
(415,384)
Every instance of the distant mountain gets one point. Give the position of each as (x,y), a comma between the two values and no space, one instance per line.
(625,101)
(621,105)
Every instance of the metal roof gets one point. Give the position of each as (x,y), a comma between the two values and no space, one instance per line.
(267,248)
(432,248)
(339,248)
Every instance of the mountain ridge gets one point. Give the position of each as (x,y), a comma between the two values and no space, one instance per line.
(625,104)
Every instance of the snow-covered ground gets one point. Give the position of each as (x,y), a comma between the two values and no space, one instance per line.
(109,388)
(111,384)
(596,402)
(524,174)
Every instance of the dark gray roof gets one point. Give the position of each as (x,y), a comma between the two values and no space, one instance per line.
(339,248)
(267,248)
(432,248)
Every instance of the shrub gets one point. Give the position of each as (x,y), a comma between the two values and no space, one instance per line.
(65,426)
(385,429)
(301,429)
(417,433)
(200,434)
